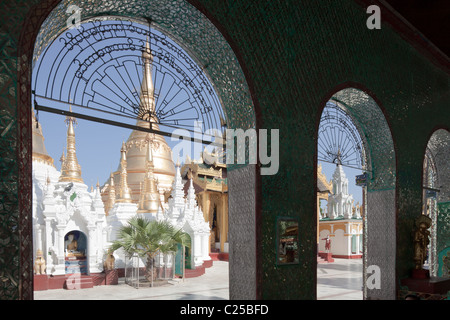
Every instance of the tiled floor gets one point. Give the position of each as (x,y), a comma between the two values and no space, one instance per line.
(213,285)
(340,280)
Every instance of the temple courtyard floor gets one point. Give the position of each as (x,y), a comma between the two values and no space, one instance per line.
(340,280)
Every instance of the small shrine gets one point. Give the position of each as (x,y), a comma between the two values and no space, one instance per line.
(69,220)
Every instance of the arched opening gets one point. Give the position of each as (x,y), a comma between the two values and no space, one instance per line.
(76,246)
(354,137)
(436,202)
(234,95)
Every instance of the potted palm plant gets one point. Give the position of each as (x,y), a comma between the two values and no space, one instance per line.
(148,238)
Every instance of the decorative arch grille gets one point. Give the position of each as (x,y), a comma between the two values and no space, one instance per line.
(186,26)
(98,69)
(339,139)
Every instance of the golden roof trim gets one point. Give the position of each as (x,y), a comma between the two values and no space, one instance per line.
(321,176)
(43,158)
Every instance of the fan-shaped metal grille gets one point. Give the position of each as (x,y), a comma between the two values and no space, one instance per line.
(98,70)
(339,139)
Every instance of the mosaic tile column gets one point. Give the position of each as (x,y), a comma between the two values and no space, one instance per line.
(381,244)
(443,238)
(242,233)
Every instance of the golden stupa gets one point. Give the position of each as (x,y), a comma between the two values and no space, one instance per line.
(70,168)
(137,144)
(39,151)
(150,197)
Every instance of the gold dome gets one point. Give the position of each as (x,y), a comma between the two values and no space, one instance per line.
(164,169)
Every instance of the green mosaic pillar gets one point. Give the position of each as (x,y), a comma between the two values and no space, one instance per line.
(10,242)
(443,239)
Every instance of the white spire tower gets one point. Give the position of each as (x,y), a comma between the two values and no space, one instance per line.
(340,202)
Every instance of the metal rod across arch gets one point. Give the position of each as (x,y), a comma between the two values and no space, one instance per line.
(124,125)
(347,166)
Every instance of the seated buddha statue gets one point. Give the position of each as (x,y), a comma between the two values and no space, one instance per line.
(72,247)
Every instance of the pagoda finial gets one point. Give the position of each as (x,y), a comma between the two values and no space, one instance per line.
(70,118)
(63,157)
(70,168)
(147,99)
(124,191)
(147,53)
(338,158)
(111,196)
(149,200)
(178,164)
(191,194)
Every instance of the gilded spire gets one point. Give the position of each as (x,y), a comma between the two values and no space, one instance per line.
(70,169)
(149,196)
(111,196)
(147,97)
(136,142)
(62,159)
(124,191)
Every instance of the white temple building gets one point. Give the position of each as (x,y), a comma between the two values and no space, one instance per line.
(342,223)
(340,203)
(74,227)
(63,208)
(189,217)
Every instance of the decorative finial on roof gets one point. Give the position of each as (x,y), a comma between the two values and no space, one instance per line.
(147,99)
(150,200)
(111,196)
(70,168)
(124,191)
(63,157)
(338,158)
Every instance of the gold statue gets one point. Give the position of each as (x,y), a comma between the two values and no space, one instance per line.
(73,244)
(421,240)
(109,262)
(72,247)
(39,263)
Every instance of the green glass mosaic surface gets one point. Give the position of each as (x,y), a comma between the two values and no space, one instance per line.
(443,227)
